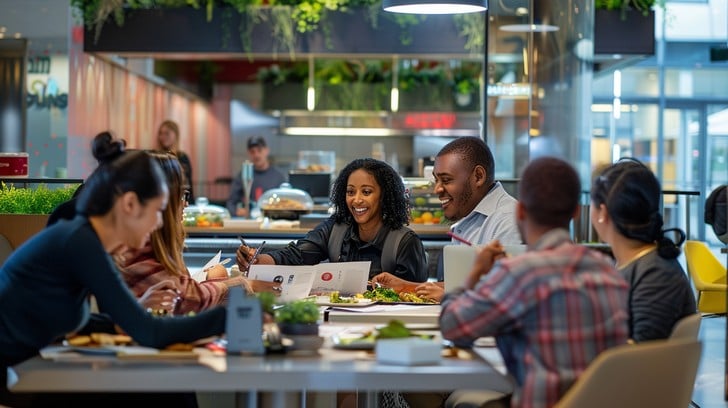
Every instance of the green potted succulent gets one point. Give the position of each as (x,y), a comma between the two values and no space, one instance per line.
(298,318)
(24,211)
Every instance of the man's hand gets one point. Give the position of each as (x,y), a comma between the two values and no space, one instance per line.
(388,280)
(431,290)
(245,253)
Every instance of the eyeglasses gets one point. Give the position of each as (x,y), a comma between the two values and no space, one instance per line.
(185,196)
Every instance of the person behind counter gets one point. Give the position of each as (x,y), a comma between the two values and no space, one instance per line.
(161,258)
(168,140)
(370,215)
(482,210)
(44,284)
(265,177)
(625,211)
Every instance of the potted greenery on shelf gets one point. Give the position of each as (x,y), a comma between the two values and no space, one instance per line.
(24,211)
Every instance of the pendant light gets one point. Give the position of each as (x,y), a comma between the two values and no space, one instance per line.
(435,6)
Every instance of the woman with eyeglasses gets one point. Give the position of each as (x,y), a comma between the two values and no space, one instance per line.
(625,211)
(161,259)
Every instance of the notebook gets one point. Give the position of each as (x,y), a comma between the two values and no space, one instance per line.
(458,260)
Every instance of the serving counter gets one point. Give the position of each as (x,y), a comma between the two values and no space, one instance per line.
(202,243)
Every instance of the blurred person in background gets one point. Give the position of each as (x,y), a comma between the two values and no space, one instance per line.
(265,177)
(168,141)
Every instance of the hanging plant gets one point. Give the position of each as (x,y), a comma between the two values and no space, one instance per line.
(643,6)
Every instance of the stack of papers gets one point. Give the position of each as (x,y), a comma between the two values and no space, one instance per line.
(300,281)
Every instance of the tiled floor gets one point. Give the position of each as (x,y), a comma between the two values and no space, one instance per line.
(709,389)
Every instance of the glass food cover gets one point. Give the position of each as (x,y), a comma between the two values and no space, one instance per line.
(203,214)
(285,202)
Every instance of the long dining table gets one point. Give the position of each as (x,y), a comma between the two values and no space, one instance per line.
(328,370)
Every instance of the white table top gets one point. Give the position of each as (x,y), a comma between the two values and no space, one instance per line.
(329,370)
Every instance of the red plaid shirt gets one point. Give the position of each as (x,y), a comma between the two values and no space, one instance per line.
(552,311)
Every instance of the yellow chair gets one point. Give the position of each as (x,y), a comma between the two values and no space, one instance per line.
(708,275)
(658,373)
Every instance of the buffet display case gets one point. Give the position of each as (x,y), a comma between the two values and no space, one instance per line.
(425,207)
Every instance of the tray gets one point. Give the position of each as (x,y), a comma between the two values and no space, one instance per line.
(324,301)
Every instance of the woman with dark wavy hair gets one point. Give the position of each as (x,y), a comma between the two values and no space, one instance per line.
(369,203)
(625,211)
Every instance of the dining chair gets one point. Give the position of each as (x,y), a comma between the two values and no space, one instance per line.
(708,275)
(686,328)
(658,373)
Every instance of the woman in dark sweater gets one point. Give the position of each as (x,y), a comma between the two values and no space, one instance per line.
(45,283)
(625,211)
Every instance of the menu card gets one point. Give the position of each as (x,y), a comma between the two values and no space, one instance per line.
(300,281)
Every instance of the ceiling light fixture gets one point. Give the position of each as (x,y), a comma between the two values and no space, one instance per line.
(435,6)
(529,28)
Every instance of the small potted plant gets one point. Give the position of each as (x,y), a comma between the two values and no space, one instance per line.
(298,318)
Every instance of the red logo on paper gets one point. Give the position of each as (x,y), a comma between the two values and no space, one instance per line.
(327,276)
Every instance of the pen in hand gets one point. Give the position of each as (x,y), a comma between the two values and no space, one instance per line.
(459,238)
(253,258)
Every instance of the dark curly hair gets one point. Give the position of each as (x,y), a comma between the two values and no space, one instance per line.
(395,206)
(631,193)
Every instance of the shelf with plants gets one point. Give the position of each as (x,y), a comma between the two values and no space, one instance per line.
(24,211)
(278,27)
(365,85)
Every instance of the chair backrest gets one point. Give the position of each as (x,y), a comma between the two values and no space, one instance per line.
(658,373)
(686,328)
(703,266)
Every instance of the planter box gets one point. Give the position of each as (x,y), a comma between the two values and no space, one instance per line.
(629,33)
(186,30)
(17,228)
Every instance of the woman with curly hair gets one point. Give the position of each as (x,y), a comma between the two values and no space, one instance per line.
(369,203)
(625,211)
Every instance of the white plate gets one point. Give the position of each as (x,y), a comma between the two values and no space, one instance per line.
(353,342)
(326,301)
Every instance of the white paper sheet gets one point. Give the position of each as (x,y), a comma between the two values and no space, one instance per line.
(201,275)
(300,281)
(295,280)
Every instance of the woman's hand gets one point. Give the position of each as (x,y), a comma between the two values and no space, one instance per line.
(265,286)
(431,290)
(388,280)
(245,253)
(484,262)
(217,271)
(161,298)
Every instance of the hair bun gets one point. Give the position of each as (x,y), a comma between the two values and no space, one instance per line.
(105,148)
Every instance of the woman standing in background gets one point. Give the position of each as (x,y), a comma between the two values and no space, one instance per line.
(168,140)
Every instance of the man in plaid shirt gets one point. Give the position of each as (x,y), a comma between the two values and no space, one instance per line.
(553,309)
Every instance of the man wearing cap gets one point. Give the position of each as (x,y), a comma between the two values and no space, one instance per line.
(265,177)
